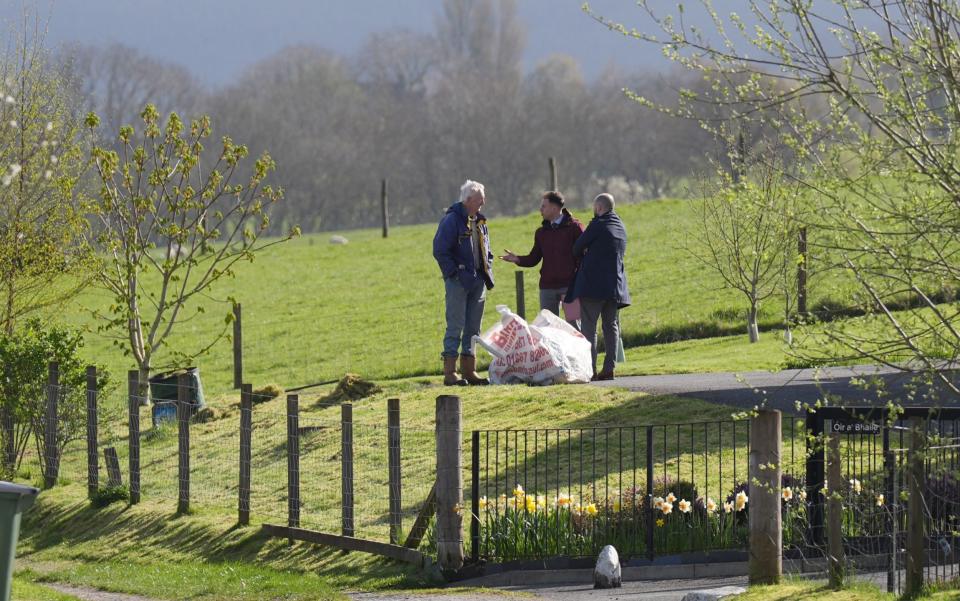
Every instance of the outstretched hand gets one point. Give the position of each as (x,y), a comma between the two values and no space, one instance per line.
(509,257)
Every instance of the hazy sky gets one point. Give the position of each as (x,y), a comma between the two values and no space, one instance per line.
(216,39)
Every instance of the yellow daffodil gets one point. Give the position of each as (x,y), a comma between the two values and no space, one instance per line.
(741,500)
(660,522)
(666,508)
(591,509)
(518,491)
(616,505)
(787,494)
(483,502)
(530,504)
(684,506)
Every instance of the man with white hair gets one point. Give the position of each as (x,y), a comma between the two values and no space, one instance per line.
(461,247)
(601,282)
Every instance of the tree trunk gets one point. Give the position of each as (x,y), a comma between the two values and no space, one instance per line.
(143,390)
(752,328)
(9,453)
(788,336)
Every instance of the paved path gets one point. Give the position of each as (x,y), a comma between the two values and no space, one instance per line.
(782,389)
(640,590)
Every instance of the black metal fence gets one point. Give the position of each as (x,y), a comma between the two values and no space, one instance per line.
(648,490)
(879,459)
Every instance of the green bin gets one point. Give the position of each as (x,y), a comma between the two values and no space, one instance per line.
(164,394)
(14,500)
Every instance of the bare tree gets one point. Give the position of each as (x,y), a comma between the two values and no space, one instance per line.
(745,233)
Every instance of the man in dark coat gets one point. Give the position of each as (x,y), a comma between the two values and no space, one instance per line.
(461,247)
(553,243)
(601,282)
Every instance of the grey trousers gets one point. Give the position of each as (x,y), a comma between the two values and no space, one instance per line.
(551,298)
(591,310)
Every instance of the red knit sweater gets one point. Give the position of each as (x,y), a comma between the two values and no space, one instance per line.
(554,245)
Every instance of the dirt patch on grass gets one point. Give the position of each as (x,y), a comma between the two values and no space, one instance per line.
(91,594)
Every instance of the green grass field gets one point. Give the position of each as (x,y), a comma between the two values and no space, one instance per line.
(313,310)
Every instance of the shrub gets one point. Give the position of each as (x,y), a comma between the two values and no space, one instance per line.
(109,494)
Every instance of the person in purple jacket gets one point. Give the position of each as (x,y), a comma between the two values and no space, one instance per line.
(553,244)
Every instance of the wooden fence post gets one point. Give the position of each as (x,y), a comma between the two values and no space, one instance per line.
(50,427)
(835,554)
(246,431)
(552,162)
(449,431)
(393,460)
(93,463)
(183,448)
(521,303)
(237,346)
(916,524)
(346,467)
(110,459)
(384,209)
(766,527)
(802,272)
(293,461)
(133,432)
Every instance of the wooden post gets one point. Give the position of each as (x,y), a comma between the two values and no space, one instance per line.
(346,467)
(766,527)
(133,433)
(293,461)
(521,304)
(552,162)
(237,346)
(246,430)
(93,463)
(916,524)
(183,448)
(835,554)
(449,430)
(802,272)
(110,459)
(50,427)
(393,460)
(384,209)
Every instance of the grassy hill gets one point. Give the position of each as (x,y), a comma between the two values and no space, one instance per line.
(313,310)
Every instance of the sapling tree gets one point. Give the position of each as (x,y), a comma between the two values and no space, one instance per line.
(170,221)
(745,234)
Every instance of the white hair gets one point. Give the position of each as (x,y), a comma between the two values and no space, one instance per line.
(469,188)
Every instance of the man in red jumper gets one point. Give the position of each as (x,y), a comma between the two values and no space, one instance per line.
(553,242)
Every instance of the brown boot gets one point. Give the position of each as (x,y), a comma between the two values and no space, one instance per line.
(450,375)
(468,364)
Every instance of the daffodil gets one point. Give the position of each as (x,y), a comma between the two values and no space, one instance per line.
(660,522)
(787,494)
(564,500)
(666,508)
(616,505)
(728,507)
(483,502)
(657,502)
(684,506)
(856,486)
(711,505)
(741,500)
(670,498)
(518,491)
(880,500)
(530,503)
(591,509)
(803,495)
